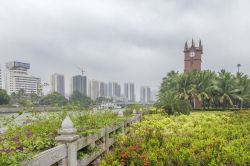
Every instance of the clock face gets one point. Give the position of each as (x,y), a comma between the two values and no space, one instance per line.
(192,53)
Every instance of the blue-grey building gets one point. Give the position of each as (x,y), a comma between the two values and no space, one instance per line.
(79,84)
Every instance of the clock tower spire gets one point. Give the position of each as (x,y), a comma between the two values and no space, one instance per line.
(192,57)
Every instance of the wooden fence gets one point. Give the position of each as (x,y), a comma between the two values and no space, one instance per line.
(69,144)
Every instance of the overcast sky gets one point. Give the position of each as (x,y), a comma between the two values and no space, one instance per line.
(123,40)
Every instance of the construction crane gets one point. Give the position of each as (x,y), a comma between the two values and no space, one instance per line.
(238,66)
(81,69)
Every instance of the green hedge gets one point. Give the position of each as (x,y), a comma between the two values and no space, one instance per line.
(201,138)
(221,109)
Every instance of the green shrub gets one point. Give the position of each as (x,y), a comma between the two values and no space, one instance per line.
(182,106)
(34,136)
(129,109)
(202,138)
(4,97)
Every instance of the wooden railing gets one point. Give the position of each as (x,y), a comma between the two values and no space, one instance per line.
(69,144)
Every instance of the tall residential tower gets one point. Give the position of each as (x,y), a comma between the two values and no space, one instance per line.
(145,95)
(103,89)
(93,89)
(114,89)
(129,91)
(79,84)
(58,84)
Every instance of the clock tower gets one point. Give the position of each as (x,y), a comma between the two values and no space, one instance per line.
(192,60)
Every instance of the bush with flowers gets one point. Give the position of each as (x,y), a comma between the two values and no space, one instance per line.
(202,138)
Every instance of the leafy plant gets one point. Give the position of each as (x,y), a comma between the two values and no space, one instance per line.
(38,133)
(202,138)
(4,97)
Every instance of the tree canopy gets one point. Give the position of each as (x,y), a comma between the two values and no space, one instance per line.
(80,99)
(217,90)
(4,97)
(54,99)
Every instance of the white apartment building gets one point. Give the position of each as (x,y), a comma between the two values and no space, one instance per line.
(93,89)
(145,95)
(17,78)
(58,83)
(114,89)
(129,91)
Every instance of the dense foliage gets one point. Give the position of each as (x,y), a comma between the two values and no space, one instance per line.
(54,99)
(216,90)
(81,100)
(202,138)
(172,104)
(4,97)
(38,133)
(22,99)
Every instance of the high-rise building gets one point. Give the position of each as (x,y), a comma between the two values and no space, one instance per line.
(94,89)
(58,83)
(110,89)
(129,91)
(1,86)
(118,90)
(103,89)
(79,84)
(154,96)
(17,78)
(145,95)
(114,89)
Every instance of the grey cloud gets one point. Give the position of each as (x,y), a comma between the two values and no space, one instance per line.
(137,41)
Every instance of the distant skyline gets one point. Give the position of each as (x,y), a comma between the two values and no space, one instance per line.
(123,41)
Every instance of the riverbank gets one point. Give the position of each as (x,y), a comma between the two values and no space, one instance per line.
(37,109)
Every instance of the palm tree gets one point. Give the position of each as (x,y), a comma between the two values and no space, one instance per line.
(202,89)
(166,101)
(223,89)
(226,90)
(184,86)
(243,83)
(169,82)
(171,104)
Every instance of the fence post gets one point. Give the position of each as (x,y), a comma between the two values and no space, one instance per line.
(134,112)
(67,135)
(120,114)
(135,115)
(106,139)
